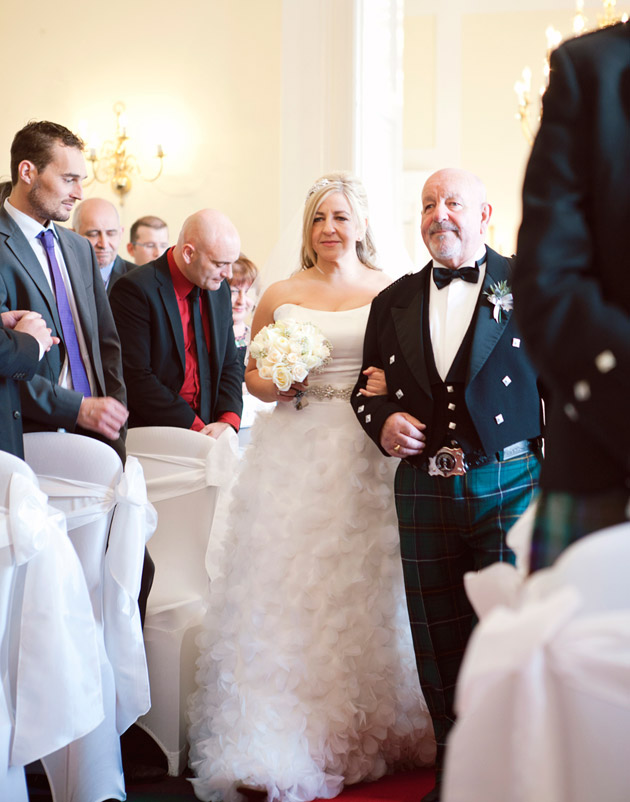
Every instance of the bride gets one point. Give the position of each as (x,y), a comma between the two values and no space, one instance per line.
(307,679)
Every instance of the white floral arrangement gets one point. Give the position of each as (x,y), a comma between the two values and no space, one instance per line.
(500,296)
(288,350)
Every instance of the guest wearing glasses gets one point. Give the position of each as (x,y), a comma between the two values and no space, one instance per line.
(148,239)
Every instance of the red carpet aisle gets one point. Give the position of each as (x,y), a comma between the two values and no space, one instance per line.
(406,787)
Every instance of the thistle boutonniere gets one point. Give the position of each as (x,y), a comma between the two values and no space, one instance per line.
(500,296)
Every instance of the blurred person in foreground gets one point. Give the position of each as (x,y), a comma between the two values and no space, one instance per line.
(573,284)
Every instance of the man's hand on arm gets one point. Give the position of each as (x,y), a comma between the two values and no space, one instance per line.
(402,435)
(105,415)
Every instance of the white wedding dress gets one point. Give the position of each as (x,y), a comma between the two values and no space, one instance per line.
(307,678)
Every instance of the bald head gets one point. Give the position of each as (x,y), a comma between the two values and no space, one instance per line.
(455,216)
(207,246)
(97,220)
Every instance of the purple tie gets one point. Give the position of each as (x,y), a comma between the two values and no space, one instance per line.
(79,377)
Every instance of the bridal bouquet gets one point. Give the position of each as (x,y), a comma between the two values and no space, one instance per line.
(288,350)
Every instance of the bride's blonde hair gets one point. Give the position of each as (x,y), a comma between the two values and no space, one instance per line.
(354,192)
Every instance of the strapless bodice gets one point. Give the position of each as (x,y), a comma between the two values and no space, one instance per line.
(344,329)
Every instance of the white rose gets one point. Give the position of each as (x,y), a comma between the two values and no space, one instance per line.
(282,344)
(291,359)
(282,377)
(321,351)
(299,372)
(265,372)
(274,356)
(310,361)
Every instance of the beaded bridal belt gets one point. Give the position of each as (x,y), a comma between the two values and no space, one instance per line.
(326,392)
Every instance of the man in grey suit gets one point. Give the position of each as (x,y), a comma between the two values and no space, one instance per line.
(48,269)
(98,221)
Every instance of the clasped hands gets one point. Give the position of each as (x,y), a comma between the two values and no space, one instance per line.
(30,323)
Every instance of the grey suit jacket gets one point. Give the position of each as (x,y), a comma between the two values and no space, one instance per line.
(19,358)
(23,285)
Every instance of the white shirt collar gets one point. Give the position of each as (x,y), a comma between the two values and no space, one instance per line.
(27,224)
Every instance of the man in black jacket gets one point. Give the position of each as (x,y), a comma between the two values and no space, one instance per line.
(573,285)
(463,413)
(177,374)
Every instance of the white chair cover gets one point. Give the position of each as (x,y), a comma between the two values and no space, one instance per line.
(183,471)
(84,478)
(543,697)
(47,630)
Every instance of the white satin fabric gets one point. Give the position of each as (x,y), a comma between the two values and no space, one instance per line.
(543,697)
(85,479)
(184,471)
(51,690)
(134,521)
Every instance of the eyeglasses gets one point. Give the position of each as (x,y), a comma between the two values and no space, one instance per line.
(151,245)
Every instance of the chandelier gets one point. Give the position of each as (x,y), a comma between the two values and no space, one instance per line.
(523,87)
(114,164)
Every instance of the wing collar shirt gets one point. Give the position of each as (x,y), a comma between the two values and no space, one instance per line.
(31,229)
(190,388)
(450,311)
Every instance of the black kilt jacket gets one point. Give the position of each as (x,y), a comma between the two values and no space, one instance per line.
(501,391)
(573,266)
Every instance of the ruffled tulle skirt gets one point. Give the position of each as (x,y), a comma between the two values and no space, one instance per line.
(307,678)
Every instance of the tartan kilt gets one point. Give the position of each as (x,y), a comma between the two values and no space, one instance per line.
(449,526)
(562,518)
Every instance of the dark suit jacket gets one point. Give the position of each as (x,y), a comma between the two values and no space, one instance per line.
(573,269)
(394,342)
(45,405)
(150,328)
(19,358)
(121,266)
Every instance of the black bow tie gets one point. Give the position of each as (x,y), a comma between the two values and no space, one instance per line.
(444,275)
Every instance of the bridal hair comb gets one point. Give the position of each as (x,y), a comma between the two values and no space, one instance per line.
(323,182)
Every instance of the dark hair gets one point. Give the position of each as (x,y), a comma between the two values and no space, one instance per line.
(35,142)
(150,220)
(5,190)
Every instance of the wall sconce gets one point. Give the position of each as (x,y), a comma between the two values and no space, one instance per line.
(114,164)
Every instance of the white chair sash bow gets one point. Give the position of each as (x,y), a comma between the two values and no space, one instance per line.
(213,471)
(58,685)
(522,664)
(134,521)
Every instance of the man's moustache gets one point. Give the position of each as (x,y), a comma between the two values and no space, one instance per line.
(437,227)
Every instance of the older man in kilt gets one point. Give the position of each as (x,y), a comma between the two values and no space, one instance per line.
(464,415)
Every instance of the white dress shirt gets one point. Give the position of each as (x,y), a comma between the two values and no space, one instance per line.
(450,312)
(31,229)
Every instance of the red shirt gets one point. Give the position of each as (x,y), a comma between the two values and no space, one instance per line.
(190,388)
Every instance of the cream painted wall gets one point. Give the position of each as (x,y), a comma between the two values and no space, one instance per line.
(493,145)
(419,65)
(202,78)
